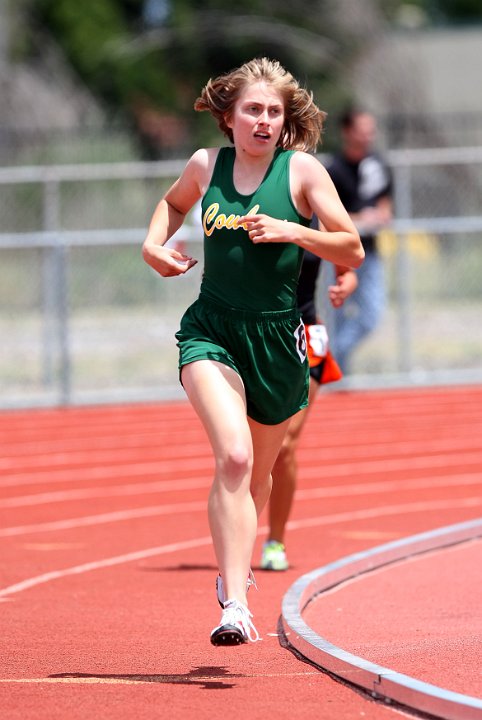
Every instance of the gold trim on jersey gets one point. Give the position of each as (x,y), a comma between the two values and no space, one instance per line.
(214,220)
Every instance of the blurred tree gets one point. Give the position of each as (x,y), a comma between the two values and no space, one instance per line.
(434,12)
(148,59)
(461,10)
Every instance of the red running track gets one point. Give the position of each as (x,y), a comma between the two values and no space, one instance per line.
(107,571)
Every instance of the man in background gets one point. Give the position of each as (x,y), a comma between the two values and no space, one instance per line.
(364,183)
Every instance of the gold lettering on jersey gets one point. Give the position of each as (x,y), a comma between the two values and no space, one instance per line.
(214,220)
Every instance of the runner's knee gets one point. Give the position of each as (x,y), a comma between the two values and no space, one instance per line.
(235,464)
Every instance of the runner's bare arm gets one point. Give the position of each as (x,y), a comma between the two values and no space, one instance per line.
(170,214)
(313,192)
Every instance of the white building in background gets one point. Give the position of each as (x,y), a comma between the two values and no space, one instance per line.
(422,71)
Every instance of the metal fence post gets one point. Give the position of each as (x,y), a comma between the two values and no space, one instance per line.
(55,297)
(403,209)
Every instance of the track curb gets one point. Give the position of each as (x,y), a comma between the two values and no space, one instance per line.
(382,683)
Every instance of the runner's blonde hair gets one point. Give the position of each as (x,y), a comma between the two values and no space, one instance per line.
(303,124)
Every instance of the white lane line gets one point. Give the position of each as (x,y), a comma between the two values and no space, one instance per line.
(103,518)
(158,468)
(464,479)
(389,465)
(301,495)
(106,562)
(198,466)
(60,455)
(292,525)
(428,506)
(106,491)
(134,489)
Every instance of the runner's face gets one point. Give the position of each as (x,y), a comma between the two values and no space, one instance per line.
(257,119)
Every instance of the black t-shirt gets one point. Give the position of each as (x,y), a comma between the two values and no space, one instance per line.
(305,296)
(307,283)
(361,185)
(307,287)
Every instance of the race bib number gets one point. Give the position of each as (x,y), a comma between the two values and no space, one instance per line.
(300,338)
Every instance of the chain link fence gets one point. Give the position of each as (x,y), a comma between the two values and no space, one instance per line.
(84,320)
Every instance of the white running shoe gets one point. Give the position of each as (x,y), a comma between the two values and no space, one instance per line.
(235,627)
(220,587)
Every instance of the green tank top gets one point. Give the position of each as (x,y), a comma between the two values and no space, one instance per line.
(238,273)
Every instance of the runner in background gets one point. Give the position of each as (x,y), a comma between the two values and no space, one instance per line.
(323,369)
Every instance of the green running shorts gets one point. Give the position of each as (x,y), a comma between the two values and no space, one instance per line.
(267,350)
